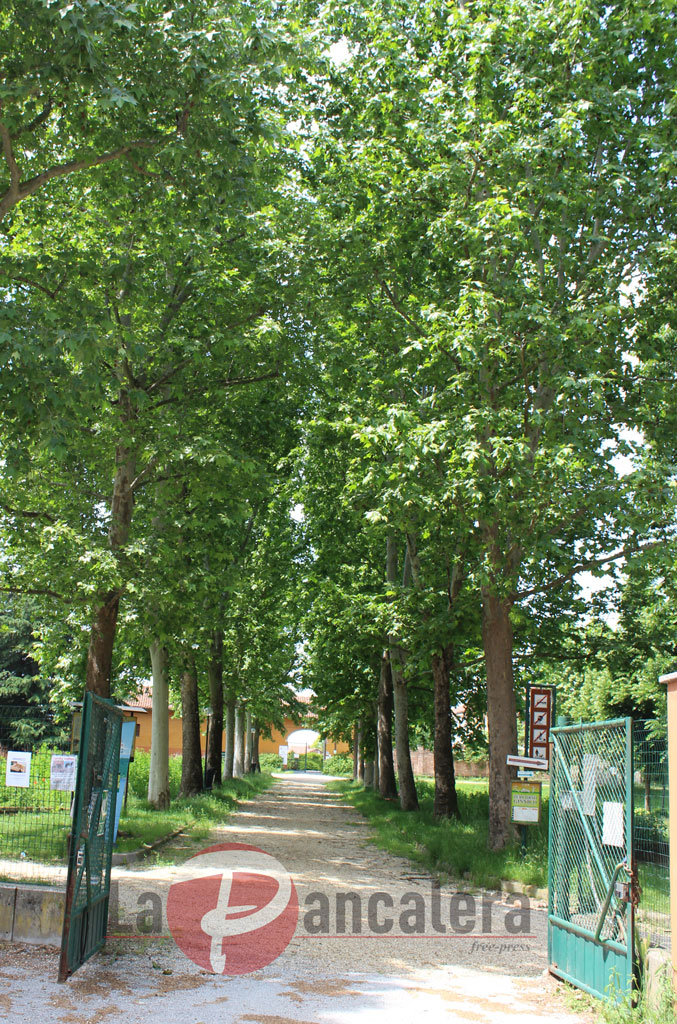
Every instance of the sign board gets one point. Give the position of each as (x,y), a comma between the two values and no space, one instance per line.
(127,737)
(62,771)
(525,803)
(541,716)
(18,770)
(539,764)
(284,751)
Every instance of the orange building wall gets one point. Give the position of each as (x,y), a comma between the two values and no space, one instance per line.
(266,745)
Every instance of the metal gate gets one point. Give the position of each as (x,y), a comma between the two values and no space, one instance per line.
(591,869)
(91,840)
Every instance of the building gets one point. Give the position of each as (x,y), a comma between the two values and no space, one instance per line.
(141,707)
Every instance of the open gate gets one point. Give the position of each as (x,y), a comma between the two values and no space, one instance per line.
(592,889)
(91,840)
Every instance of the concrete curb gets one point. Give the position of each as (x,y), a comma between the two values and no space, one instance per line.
(32,913)
(526,890)
(119,859)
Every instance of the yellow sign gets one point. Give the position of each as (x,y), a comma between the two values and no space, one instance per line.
(525,803)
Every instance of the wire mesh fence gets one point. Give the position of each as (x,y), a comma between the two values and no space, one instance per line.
(37,776)
(589,805)
(650,830)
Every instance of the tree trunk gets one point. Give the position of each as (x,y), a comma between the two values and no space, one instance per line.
(191,765)
(230,738)
(360,750)
(158,779)
(247,742)
(387,785)
(102,636)
(238,757)
(101,642)
(374,781)
(356,751)
(405,774)
(446,800)
(214,746)
(647,792)
(501,713)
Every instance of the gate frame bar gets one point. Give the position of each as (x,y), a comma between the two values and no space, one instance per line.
(670,681)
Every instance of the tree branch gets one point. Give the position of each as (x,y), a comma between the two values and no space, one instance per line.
(142,477)
(26,514)
(227,383)
(633,548)
(398,309)
(21,190)
(14,172)
(38,120)
(41,287)
(34,591)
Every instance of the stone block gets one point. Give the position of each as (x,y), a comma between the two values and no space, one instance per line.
(38,915)
(7,899)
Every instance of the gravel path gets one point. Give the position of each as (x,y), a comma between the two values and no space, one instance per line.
(474,957)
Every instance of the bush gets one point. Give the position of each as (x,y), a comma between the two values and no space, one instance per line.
(270,762)
(139,773)
(339,764)
(651,836)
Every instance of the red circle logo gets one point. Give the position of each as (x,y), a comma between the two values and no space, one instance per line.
(236,912)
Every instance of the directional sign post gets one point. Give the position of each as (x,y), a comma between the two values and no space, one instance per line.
(539,764)
(541,719)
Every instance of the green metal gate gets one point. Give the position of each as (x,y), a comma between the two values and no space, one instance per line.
(91,839)
(591,868)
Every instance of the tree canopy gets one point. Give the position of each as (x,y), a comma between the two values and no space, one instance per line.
(408,267)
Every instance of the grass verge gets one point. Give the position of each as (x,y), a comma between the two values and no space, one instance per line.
(141,824)
(455,849)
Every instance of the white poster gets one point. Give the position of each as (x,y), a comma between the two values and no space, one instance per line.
(613,831)
(62,771)
(18,768)
(283,753)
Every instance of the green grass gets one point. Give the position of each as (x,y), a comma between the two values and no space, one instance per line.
(35,820)
(39,828)
(451,848)
(142,825)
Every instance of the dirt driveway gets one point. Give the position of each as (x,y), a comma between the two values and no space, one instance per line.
(375,940)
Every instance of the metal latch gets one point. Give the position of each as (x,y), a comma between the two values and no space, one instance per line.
(622,891)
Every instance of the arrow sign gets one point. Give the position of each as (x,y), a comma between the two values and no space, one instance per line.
(537,763)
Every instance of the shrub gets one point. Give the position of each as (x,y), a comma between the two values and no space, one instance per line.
(270,762)
(651,836)
(139,773)
(339,764)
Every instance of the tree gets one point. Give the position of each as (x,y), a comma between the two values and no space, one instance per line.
(27,719)
(489,173)
(89,84)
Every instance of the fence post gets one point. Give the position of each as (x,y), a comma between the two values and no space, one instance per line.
(670,681)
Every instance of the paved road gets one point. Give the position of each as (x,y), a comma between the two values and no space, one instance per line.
(375,941)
